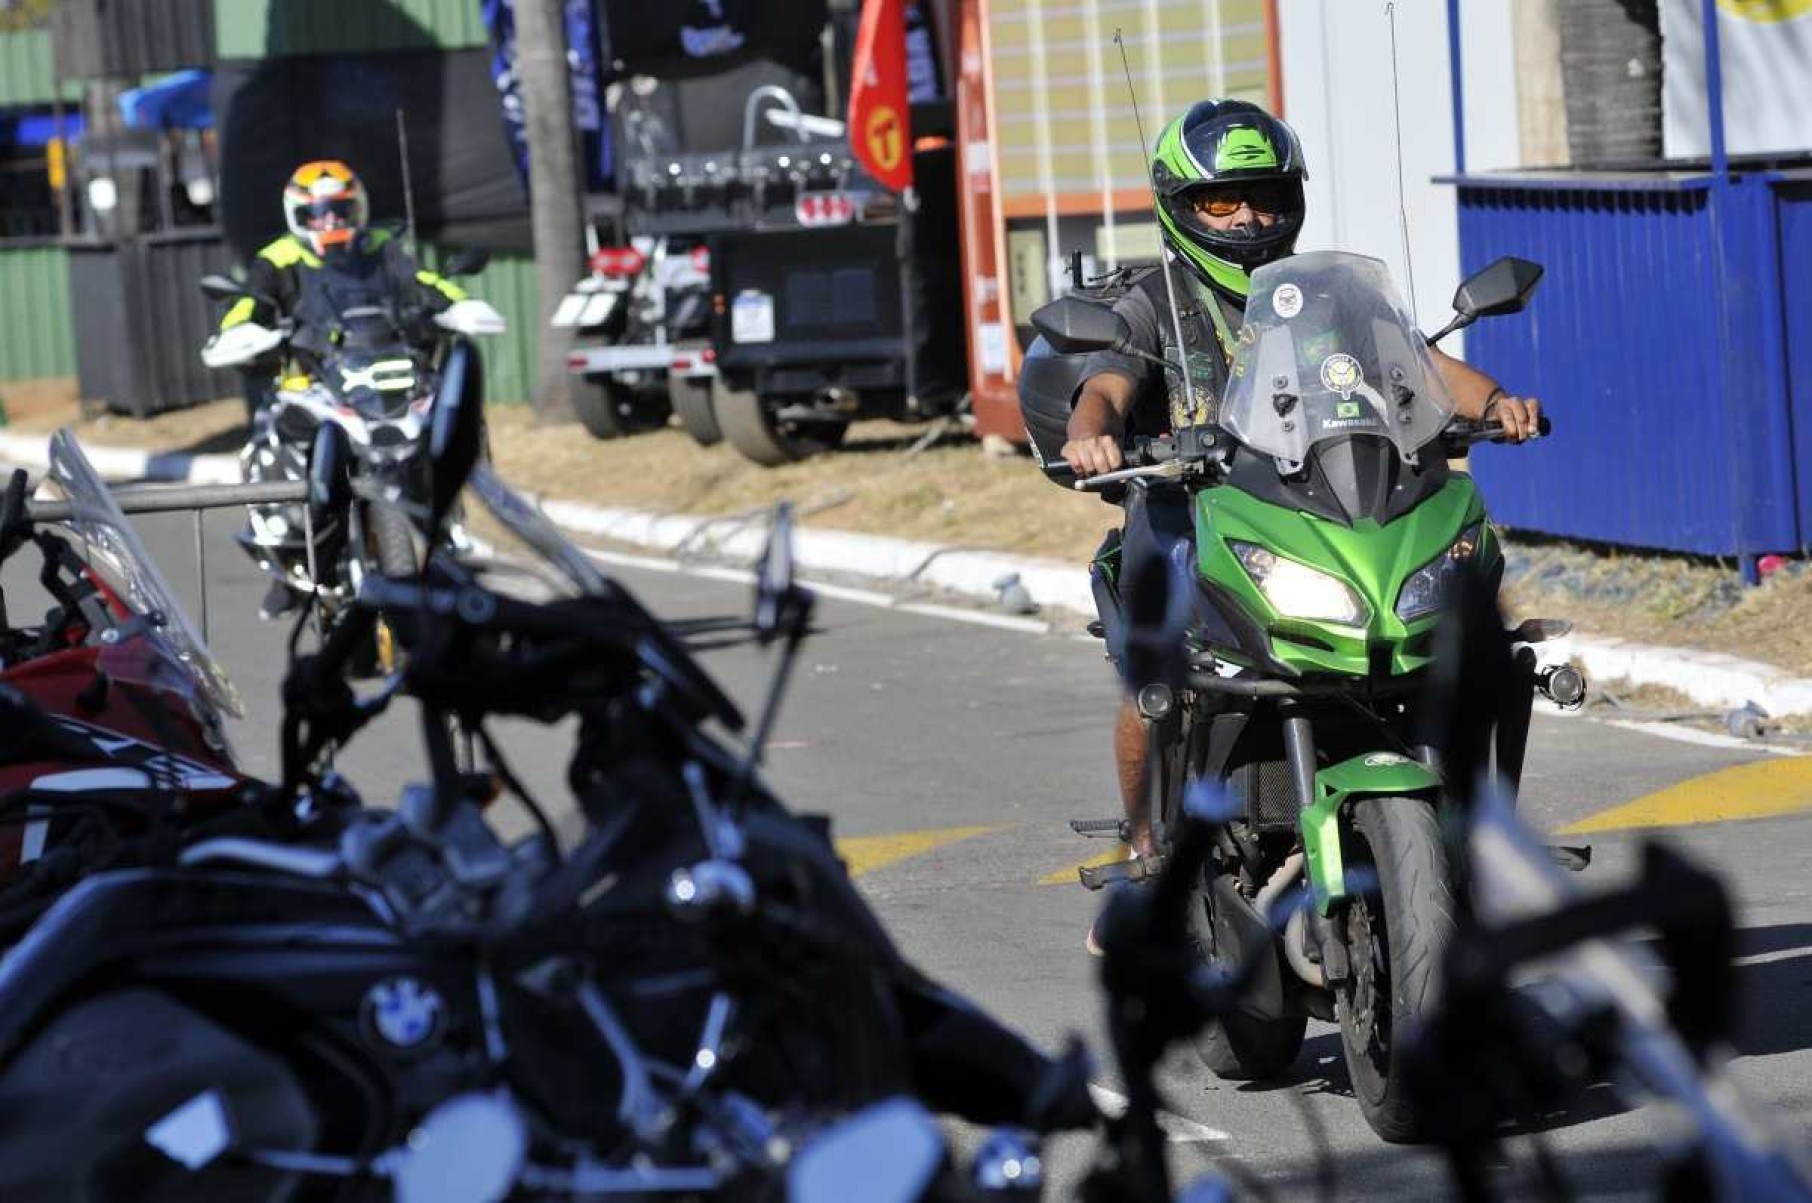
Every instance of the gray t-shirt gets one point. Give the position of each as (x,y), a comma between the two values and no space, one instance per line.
(1151,412)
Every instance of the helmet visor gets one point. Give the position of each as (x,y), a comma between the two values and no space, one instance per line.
(337,213)
(1266,198)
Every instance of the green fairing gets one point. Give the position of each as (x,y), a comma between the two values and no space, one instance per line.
(1373,560)
(1369,775)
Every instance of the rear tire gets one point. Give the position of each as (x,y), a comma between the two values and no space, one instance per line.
(748,422)
(691,399)
(1397,938)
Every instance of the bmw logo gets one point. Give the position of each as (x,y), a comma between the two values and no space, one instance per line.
(403,1015)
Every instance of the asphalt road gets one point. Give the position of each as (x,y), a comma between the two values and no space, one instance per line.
(950,756)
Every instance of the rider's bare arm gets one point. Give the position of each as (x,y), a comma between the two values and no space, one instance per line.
(1479,397)
(1098,422)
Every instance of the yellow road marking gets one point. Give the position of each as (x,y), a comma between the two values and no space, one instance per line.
(1762,790)
(866,853)
(1067,876)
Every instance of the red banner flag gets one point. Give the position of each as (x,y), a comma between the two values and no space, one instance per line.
(880,131)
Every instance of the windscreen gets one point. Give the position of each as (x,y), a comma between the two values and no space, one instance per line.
(1329,351)
(114,550)
(530,525)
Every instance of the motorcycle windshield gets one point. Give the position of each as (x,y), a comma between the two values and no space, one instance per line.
(1329,351)
(113,549)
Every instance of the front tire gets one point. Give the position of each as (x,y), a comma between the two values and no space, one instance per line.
(1397,938)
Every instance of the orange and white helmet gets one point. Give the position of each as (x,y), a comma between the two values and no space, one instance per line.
(324,205)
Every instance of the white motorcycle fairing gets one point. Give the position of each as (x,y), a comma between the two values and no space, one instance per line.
(471,317)
(239,345)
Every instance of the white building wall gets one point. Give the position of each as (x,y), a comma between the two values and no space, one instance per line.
(1339,96)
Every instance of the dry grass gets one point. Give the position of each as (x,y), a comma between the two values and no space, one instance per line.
(948,492)
(44,406)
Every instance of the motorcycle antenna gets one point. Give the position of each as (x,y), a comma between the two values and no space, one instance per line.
(402,154)
(1396,91)
(1170,288)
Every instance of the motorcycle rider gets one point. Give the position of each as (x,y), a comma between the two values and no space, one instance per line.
(1228,180)
(328,261)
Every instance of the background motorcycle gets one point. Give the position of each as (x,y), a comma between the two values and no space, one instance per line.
(114,742)
(372,380)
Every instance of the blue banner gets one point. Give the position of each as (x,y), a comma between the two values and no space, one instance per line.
(583,57)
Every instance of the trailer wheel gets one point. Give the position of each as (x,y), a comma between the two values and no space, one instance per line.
(596,401)
(691,399)
(748,422)
(610,409)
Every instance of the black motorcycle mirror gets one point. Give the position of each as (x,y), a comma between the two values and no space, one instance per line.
(329,493)
(224,288)
(468,262)
(1503,287)
(1074,326)
(456,431)
(783,610)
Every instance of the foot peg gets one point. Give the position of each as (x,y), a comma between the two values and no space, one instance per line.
(1102,829)
(1574,860)
(1121,872)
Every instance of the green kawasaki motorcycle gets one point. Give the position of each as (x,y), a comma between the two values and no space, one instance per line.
(1328,532)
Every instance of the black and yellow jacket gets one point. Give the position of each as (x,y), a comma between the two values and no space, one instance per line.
(311,289)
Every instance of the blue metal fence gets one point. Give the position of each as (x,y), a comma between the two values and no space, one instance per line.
(1650,341)
(1671,340)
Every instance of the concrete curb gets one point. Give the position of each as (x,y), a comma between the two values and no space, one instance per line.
(1710,679)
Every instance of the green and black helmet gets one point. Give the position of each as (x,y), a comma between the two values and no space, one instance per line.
(1215,144)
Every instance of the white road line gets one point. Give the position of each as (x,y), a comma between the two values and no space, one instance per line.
(1177,1130)
(860,597)
(1036,626)
(1692,735)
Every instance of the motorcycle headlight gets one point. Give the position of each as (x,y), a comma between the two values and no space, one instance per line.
(1296,590)
(1429,587)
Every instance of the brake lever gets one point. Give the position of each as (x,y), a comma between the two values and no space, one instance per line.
(1170,468)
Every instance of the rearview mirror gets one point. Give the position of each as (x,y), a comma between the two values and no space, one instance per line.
(892,1147)
(329,492)
(456,435)
(1072,325)
(222,288)
(1504,287)
(1158,591)
(778,599)
(468,262)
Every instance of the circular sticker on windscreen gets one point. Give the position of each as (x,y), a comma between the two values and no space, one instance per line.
(1341,374)
(1286,299)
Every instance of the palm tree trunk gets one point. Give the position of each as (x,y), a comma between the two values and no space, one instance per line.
(554,190)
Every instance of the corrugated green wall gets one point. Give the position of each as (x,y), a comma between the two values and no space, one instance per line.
(508,282)
(36,336)
(26,76)
(264,28)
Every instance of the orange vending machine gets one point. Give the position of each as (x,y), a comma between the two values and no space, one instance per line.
(1049,158)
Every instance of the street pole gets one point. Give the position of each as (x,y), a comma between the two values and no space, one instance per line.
(554,190)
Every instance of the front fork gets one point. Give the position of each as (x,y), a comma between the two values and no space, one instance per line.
(1329,929)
